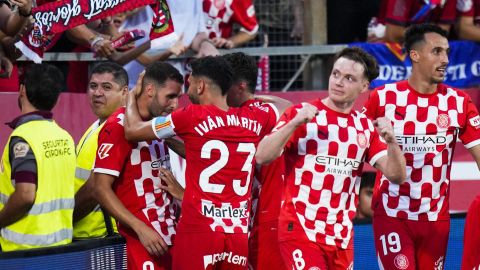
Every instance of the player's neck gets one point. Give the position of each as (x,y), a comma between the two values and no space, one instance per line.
(142,106)
(217,100)
(341,107)
(422,85)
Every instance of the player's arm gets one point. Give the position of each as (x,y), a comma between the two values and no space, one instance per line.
(176,145)
(84,200)
(393,165)
(271,146)
(280,103)
(104,194)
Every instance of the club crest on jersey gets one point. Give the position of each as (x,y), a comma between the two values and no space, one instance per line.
(439,264)
(103,150)
(362,140)
(401,261)
(475,122)
(443,120)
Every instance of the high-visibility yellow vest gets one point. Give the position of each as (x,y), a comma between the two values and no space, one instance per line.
(49,221)
(93,224)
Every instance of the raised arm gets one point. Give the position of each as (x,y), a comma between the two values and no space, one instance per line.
(393,166)
(280,103)
(271,146)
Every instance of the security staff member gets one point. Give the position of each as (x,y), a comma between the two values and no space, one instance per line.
(37,169)
(107,89)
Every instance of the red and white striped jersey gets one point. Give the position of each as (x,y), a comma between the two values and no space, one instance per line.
(323,164)
(220,15)
(426,127)
(136,167)
(220,148)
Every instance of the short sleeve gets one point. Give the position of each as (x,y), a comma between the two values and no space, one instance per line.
(287,116)
(113,150)
(244,15)
(376,150)
(470,132)
(176,123)
(371,106)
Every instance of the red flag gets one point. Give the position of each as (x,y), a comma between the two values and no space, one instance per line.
(55,17)
(162,26)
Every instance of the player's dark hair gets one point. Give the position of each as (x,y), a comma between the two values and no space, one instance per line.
(119,74)
(43,84)
(160,72)
(360,56)
(416,33)
(368,179)
(244,69)
(215,68)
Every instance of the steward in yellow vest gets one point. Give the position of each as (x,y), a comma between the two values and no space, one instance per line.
(107,88)
(37,169)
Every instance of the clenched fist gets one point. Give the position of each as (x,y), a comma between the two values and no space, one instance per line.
(384,129)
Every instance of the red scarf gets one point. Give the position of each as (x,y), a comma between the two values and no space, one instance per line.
(55,17)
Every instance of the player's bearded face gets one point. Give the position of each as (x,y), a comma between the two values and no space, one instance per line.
(433,57)
(166,98)
(192,90)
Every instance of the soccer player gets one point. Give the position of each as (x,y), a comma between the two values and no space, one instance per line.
(471,236)
(127,179)
(220,146)
(263,251)
(324,144)
(411,221)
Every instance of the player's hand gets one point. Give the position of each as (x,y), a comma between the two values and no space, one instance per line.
(305,114)
(137,89)
(151,240)
(385,129)
(170,184)
(222,43)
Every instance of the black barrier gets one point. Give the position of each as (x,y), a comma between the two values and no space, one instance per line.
(102,254)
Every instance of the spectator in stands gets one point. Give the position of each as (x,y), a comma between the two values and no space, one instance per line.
(471,238)
(12,22)
(468,23)
(127,176)
(347,20)
(107,89)
(6,65)
(222,16)
(37,169)
(364,207)
(399,14)
(189,27)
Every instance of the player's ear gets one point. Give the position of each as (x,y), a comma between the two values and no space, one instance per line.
(150,89)
(201,86)
(414,56)
(365,86)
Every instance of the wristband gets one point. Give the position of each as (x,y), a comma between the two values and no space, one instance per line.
(95,41)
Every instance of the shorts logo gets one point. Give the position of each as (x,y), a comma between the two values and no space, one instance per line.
(443,120)
(224,256)
(439,264)
(475,121)
(362,140)
(104,149)
(314,268)
(401,262)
